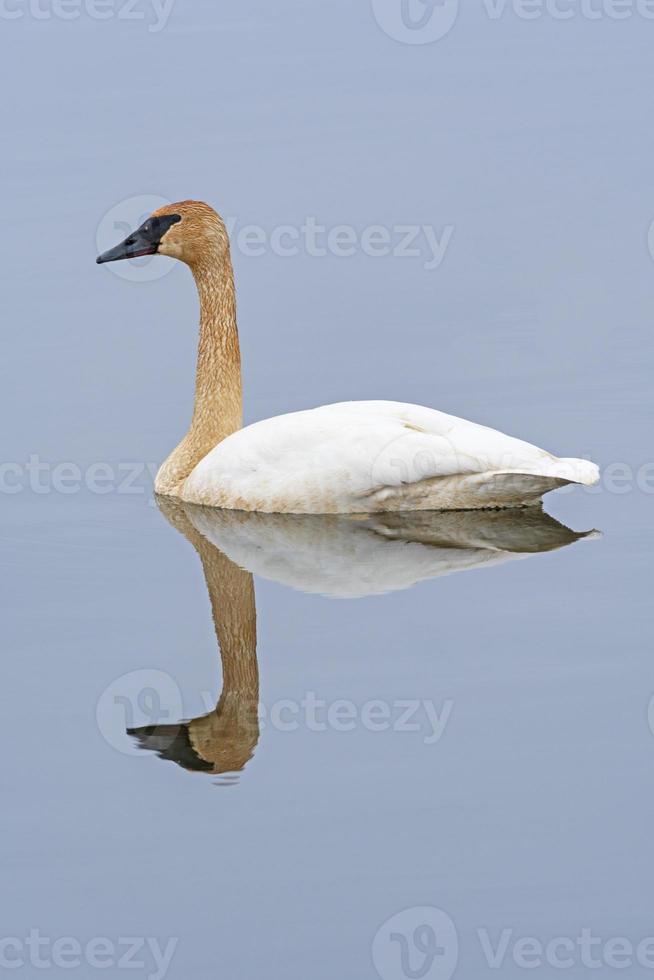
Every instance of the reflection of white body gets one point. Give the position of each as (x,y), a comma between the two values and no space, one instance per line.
(350,557)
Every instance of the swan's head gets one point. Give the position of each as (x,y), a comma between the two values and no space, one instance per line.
(190,231)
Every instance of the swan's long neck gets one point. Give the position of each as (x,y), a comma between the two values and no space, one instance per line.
(218,409)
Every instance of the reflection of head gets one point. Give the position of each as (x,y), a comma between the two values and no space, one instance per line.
(222,741)
(173,743)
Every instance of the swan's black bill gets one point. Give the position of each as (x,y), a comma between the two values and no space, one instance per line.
(144,241)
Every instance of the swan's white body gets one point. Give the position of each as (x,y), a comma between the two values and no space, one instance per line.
(371,457)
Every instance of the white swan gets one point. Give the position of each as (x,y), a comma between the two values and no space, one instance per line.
(353,457)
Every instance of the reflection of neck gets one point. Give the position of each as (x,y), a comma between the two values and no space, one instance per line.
(218,407)
(231,591)
(226,737)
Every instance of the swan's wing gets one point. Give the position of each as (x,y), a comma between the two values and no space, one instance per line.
(326,459)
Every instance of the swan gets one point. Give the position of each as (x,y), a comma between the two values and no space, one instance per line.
(349,458)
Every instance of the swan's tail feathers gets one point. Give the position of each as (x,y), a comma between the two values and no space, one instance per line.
(515,488)
(558,472)
(525,486)
(578,471)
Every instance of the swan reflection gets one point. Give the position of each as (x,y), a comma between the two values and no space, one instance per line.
(345,556)
(335,556)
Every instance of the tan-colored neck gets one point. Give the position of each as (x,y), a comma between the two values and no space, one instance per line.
(218,409)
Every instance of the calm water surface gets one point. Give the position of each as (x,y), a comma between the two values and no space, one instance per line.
(475,742)
(526,806)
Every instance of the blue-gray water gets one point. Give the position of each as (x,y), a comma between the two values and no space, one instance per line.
(531,141)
